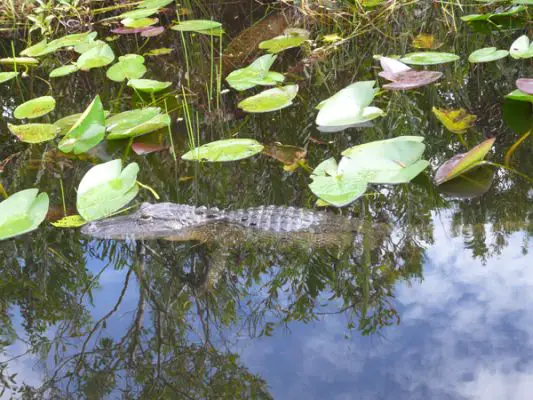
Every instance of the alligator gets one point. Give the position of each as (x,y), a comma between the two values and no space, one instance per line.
(180,222)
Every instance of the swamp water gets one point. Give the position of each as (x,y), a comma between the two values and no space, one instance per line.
(431,299)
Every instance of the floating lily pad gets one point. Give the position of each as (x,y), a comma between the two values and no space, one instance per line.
(96,57)
(224,150)
(35,108)
(521,48)
(464,162)
(139,23)
(64,70)
(106,188)
(66,123)
(390,161)
(135,123)
(525,85)
(34,133)
(202,26)
(283,42)
(153,31)
(336,186)
(130,31)
(39,49)
(270,100)
(487,54)
(87,132)
(456,121)
(155,3)
(6,76)
(488,16)
(518,95)
(148,85)
(19,60)
(88,45)
(429,58)
(22,212)
(257,73)
(72,40)
(403,77)
(349,106)
(141,148)
(130,66)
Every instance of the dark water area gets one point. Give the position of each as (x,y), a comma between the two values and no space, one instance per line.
(431,299)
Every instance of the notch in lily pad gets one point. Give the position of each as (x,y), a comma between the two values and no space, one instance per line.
(97,57)
(87,132)
(464,162)
(106,188)
(129,66)
(22,212)
(224,150)
(270,100)
(35,108)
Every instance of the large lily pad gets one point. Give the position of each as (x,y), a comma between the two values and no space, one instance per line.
(464,162)
(487,54)
(390,161)
(224,150)
(72,40)
(488,16)
(270,100)
(106,188)
(139,13)
(203,26)
(39,49)
(97,57)
(334,185)
(130,66)
(257,73)
(349,106)
(521,48)
(64,70)
(34,133)
(456,121)
(139,23)
(281,43)
(6,76)
(148,85)
(35,108)
(22,212)
(135,123)
(429,58)
(525,85)
(87,132)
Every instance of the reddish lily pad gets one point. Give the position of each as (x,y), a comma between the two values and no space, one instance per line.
(525,85)
(403,77)
(153,31)
(464,162)
(141,148)
(129,31)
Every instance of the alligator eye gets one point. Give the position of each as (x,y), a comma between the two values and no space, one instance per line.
(146,217)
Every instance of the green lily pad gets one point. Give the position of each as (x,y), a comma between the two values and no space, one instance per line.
(35,108)
(96,57)
(130,66)
(464,162)
(66,123)
(257,73)
(349,106)
(139,23)
(22,212)
(155,3)
(332,184)
(391,161)
(87,132)
(6,76)
(34,133)
(224,150)
(283,42)
(148,85)
(64,70)
(270,100)
(429,58)
(106,188)
(487,54)
(488,16)
(19,60)
(202,26)
(519,96)
(88,45)
(521,48)
(135,123)
(72,40)
(159,52)
(39,49)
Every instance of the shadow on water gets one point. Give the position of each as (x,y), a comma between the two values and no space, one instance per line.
(220,318)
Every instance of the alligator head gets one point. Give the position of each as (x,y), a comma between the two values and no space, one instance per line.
(153,221)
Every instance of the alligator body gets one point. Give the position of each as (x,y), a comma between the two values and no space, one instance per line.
(185,223)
